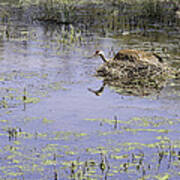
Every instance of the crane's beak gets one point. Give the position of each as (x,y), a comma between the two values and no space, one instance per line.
(92,56)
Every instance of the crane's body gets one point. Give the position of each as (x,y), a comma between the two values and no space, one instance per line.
(131,55)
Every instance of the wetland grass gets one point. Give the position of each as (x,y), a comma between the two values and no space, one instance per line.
(104,16)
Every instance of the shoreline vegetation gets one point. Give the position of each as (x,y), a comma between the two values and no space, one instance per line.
(102,15)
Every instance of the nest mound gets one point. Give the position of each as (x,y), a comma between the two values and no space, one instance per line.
(137,78)
(115,70)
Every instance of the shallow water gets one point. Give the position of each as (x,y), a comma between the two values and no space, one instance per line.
(52,127)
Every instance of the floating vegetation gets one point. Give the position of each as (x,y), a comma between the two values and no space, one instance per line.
(144,121)
(116,158)
(12,96)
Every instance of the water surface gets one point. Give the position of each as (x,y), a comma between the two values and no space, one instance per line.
(52,127)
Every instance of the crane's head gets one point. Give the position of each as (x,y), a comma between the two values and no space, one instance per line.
(98,53)
(101,54)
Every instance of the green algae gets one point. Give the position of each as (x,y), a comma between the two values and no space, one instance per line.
(46,121)
(165,176)
(4,121)
(33,100)
(50,153)
(49,162)
(50,147)
(155,121)
(117,157)
(97,150)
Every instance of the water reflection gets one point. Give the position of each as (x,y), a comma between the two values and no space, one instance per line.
(126,87)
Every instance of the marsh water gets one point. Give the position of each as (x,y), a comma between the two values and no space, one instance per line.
(52,127)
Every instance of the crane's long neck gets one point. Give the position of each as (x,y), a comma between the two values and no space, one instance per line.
(103,57)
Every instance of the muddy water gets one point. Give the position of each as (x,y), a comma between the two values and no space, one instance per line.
(52,127)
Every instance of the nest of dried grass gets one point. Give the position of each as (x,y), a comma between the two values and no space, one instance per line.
(140,78)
